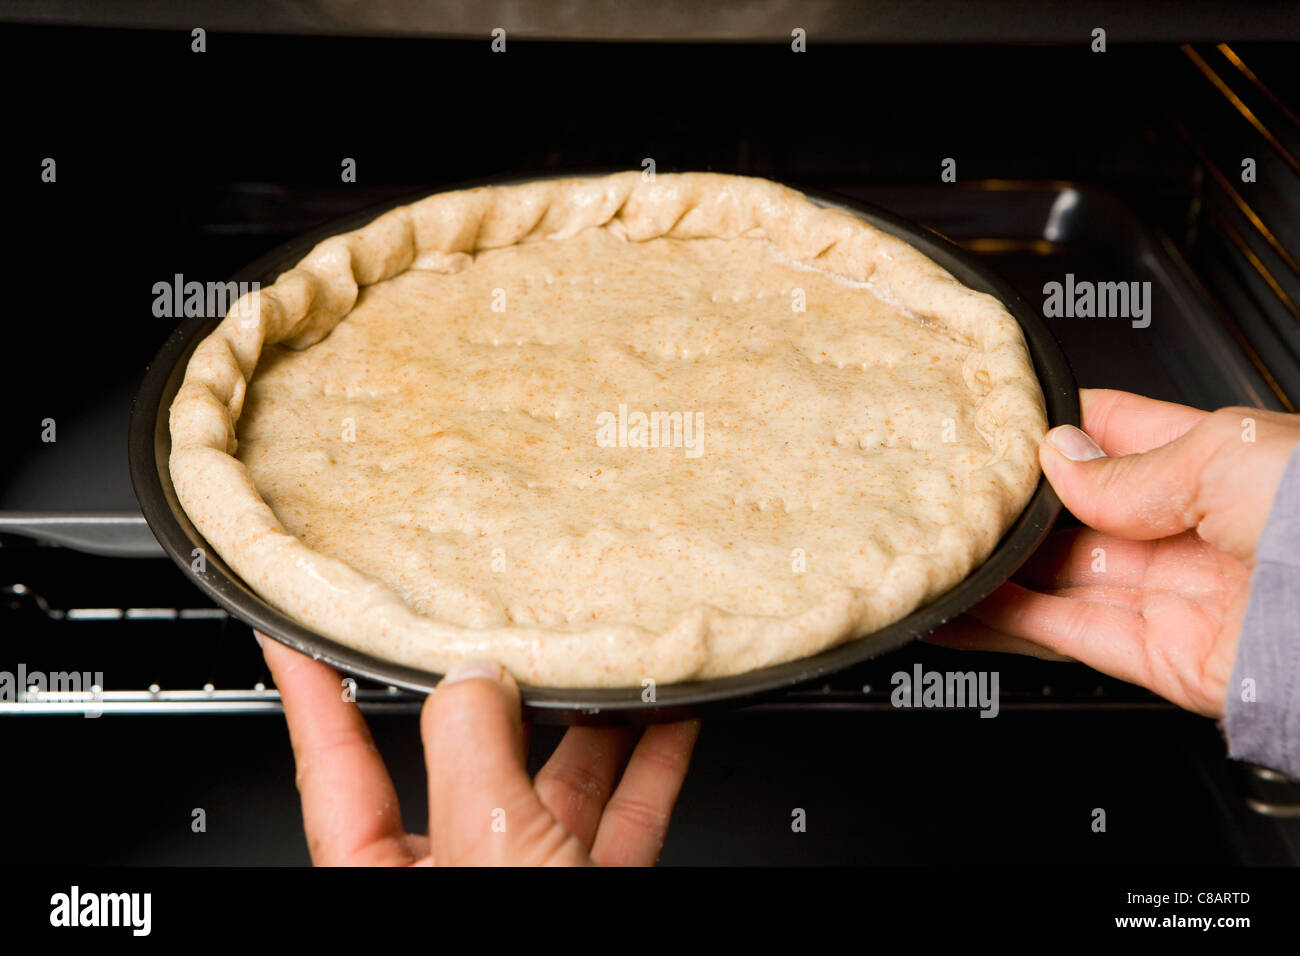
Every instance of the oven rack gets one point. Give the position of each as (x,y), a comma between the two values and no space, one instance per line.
(864,688)
(205,701)
(1241,234)
(208,698)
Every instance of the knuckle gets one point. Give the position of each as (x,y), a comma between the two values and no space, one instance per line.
(1223,421)
(665,759)
(640,815)
(1092,497)
(577,778)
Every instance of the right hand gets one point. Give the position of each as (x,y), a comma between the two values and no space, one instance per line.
(1154,589)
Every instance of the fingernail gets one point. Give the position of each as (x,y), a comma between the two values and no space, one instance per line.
(473,670)
(257,637)
(1074,444)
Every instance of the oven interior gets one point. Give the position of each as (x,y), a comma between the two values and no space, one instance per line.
(1122,166)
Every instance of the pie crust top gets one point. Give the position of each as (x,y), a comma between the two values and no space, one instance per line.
(605,430)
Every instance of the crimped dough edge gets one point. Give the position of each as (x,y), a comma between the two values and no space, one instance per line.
(329,596)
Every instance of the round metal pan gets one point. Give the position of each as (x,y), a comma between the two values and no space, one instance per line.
(150,446)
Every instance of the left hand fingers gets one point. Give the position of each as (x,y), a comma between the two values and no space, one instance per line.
(349,807)
(482,805)
(635,823)
(579,777)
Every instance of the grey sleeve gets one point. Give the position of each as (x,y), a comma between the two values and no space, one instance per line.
(1262,704)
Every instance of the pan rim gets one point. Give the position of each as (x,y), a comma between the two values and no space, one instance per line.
(149,450)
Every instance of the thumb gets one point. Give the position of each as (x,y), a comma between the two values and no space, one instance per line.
(482,805)
(1143,496)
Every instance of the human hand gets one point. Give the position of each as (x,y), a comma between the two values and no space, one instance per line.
(483,808)
(1153,591)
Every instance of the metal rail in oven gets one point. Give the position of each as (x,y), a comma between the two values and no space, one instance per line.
(865,688)
(1243,231)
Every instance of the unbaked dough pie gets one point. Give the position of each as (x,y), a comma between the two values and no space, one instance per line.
(608,429)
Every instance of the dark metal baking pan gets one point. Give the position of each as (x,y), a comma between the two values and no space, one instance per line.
(150,445)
